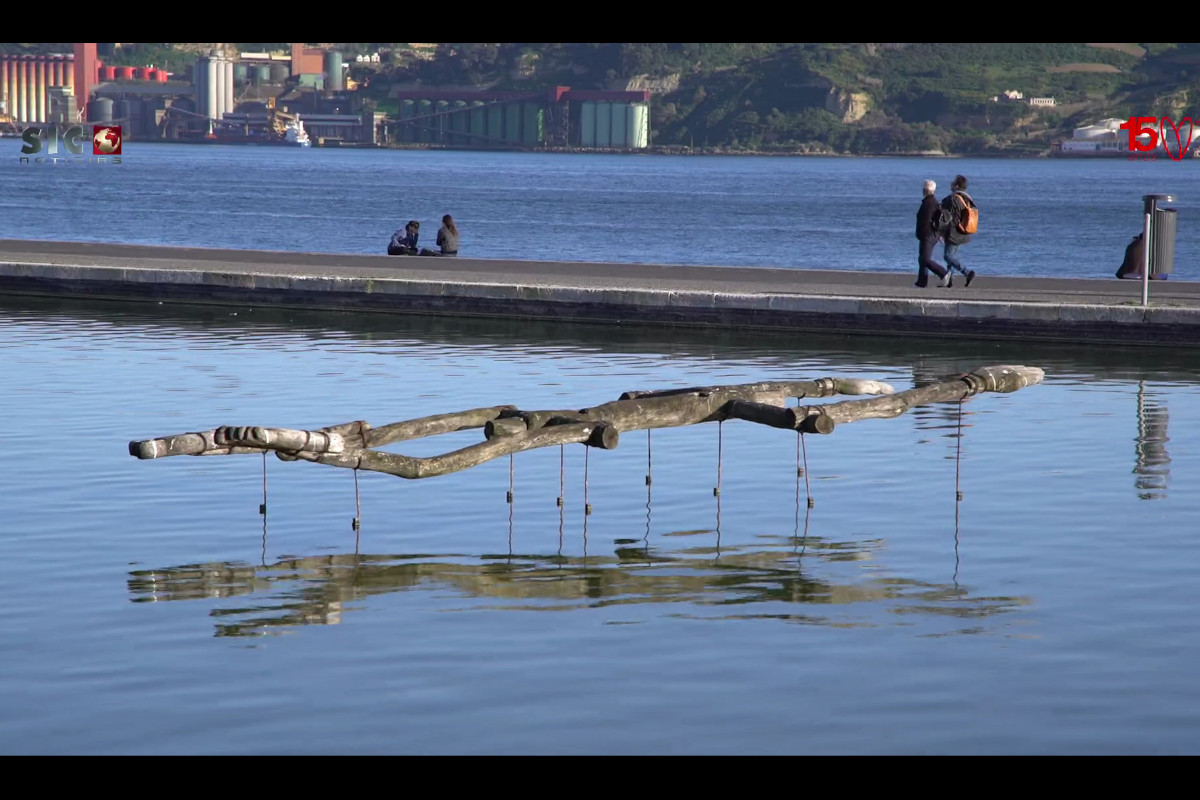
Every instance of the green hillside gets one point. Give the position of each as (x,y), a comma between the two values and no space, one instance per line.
(851,98)
(899,97)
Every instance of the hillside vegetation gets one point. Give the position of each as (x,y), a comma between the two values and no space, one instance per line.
(900,97)
(860,98)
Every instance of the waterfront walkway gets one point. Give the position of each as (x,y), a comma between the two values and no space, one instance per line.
(1062,309)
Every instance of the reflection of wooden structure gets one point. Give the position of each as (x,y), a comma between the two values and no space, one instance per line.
(509,430)
(319,590)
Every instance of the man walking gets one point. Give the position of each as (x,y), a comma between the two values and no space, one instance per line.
(955,204)
(927,235)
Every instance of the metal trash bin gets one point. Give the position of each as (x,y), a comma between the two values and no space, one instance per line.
(1162,238)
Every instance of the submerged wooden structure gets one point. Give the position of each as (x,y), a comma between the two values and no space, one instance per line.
(508,430)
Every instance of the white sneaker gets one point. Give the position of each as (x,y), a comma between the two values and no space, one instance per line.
(947,281)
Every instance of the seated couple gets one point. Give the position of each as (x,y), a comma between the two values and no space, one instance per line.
(404,241)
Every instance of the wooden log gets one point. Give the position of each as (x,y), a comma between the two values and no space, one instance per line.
(431,426)
(593,434)
(229,439)
(821,387)
(789,418)
(1004,379)
(510,426)
(279,439)
(510,430)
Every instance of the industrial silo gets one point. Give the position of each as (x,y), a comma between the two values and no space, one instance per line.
(638,127)
(477,124)
(227,105)
(279,71)
(620,117)
(241,73)
(512,122)
(120,111)
(211,98)
(408,109)
(458,123)
(199,85)
(333,71)
(603,124)
(442,121)
(587,124)
(39,90)
(424,121)
(533,129)
(219,108)
(100,110)
(495,123)
(263,73)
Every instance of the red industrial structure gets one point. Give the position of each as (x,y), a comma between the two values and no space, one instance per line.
(307,60)
(87,67)
(27,81)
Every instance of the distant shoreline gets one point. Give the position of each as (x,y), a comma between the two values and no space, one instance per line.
(650,151)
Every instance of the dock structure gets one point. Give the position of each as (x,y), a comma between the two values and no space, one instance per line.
(1090,311)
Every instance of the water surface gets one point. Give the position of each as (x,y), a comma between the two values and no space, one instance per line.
(151,609)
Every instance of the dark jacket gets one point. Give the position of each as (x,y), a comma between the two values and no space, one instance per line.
(925,218)
(404,241)
(955,202)
(405,238)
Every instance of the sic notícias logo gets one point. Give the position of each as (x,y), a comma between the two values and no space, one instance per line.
(56,141)
(1158,132)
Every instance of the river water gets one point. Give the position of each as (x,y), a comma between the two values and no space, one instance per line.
(1056,217)
(151,608)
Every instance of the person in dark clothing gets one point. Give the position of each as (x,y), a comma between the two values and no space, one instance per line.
(404,242)
(954,204)
(1131,267)
(928,236)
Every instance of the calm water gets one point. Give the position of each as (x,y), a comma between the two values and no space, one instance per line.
(1065,217)
(150,608)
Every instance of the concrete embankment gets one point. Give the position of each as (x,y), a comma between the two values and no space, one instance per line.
(1103,310)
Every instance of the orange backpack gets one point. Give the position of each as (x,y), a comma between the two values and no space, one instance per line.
(968,220)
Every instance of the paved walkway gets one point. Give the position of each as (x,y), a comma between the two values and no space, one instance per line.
(1085,310)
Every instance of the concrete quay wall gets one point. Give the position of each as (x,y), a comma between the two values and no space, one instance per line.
(613,294)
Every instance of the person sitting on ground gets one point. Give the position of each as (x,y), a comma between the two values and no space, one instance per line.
(404,242)
(1131,267)
(447,236)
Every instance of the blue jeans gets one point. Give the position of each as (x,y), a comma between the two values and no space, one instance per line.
(926,264)
(950,256)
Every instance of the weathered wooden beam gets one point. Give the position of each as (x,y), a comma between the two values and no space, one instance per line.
(825,417)
(593,434)
(510,430)
(821,387)
(230,439)
(1004,379)
(431,426)
(787,417)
